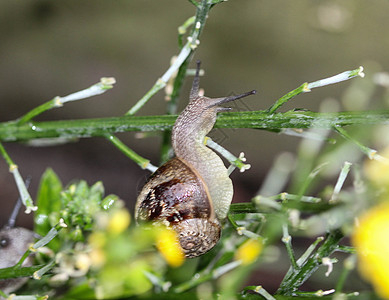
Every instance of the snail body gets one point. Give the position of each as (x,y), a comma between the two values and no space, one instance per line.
(192,192)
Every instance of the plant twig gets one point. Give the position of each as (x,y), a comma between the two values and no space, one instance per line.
(105,84)
(293,280)
(205,276)
(233,160)
(348,266)
(53,232)
(20,183)
(184,27)
(193,41)
(259,290)
(287,240)
(339,183)
(306,87)
(85,128)
(366,150)
(142,162)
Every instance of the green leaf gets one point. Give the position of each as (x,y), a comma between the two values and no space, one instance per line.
(48,201)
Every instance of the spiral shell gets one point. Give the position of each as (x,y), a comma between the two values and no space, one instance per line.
(192,192)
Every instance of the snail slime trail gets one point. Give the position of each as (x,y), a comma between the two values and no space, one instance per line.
(192,192)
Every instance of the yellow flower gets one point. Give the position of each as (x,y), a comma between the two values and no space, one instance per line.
(248,252)
(169,246)
(119,221)
(371,239)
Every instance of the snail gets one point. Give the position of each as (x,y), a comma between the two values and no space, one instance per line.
(192,192)
(14,242)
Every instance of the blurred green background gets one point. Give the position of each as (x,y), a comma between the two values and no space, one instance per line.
(51,48)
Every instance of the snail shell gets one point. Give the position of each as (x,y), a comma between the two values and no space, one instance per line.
(192,192)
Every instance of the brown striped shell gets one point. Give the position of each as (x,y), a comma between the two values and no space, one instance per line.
(176,196)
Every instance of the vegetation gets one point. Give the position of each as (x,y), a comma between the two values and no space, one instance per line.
(90,248)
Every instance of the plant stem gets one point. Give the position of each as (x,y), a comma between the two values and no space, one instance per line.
(183,28)
(366,150)
(339,183)
(197,22)
(349,265)
(42,242)
(306,87)
(202,10)
(12,272)
(232,159)
(287,240)
(20,183)
(142,162)
(301,89)
(205,276)
(105,84)
(83,128)
(293,280)
(259,290)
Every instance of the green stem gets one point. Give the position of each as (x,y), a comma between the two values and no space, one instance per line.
(301,89)
(202,10)
(194,2)
(183,28)
(319,293)
(294,280)
(368,151)
(242,208)
(172,109)
(160,84)
(39,273)
(13,272)
(287,240)
(339,183)
(53,232)
(105,84)
(38,110)
(347,249)
(349,265)
(206,275)
(306,87)
(197,23)
(232,159)
(142,162)
(20,183)
(83,128)
(259,290)
(5,155)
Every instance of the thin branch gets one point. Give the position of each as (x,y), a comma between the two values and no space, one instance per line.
(287,240)
(306,87)
(142,162)
(205,276)
(368,151)
(232,159)
(339,183)
(293,280)
(84,128)
(20,183)
(106,83)
(191,44)
(259,290)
